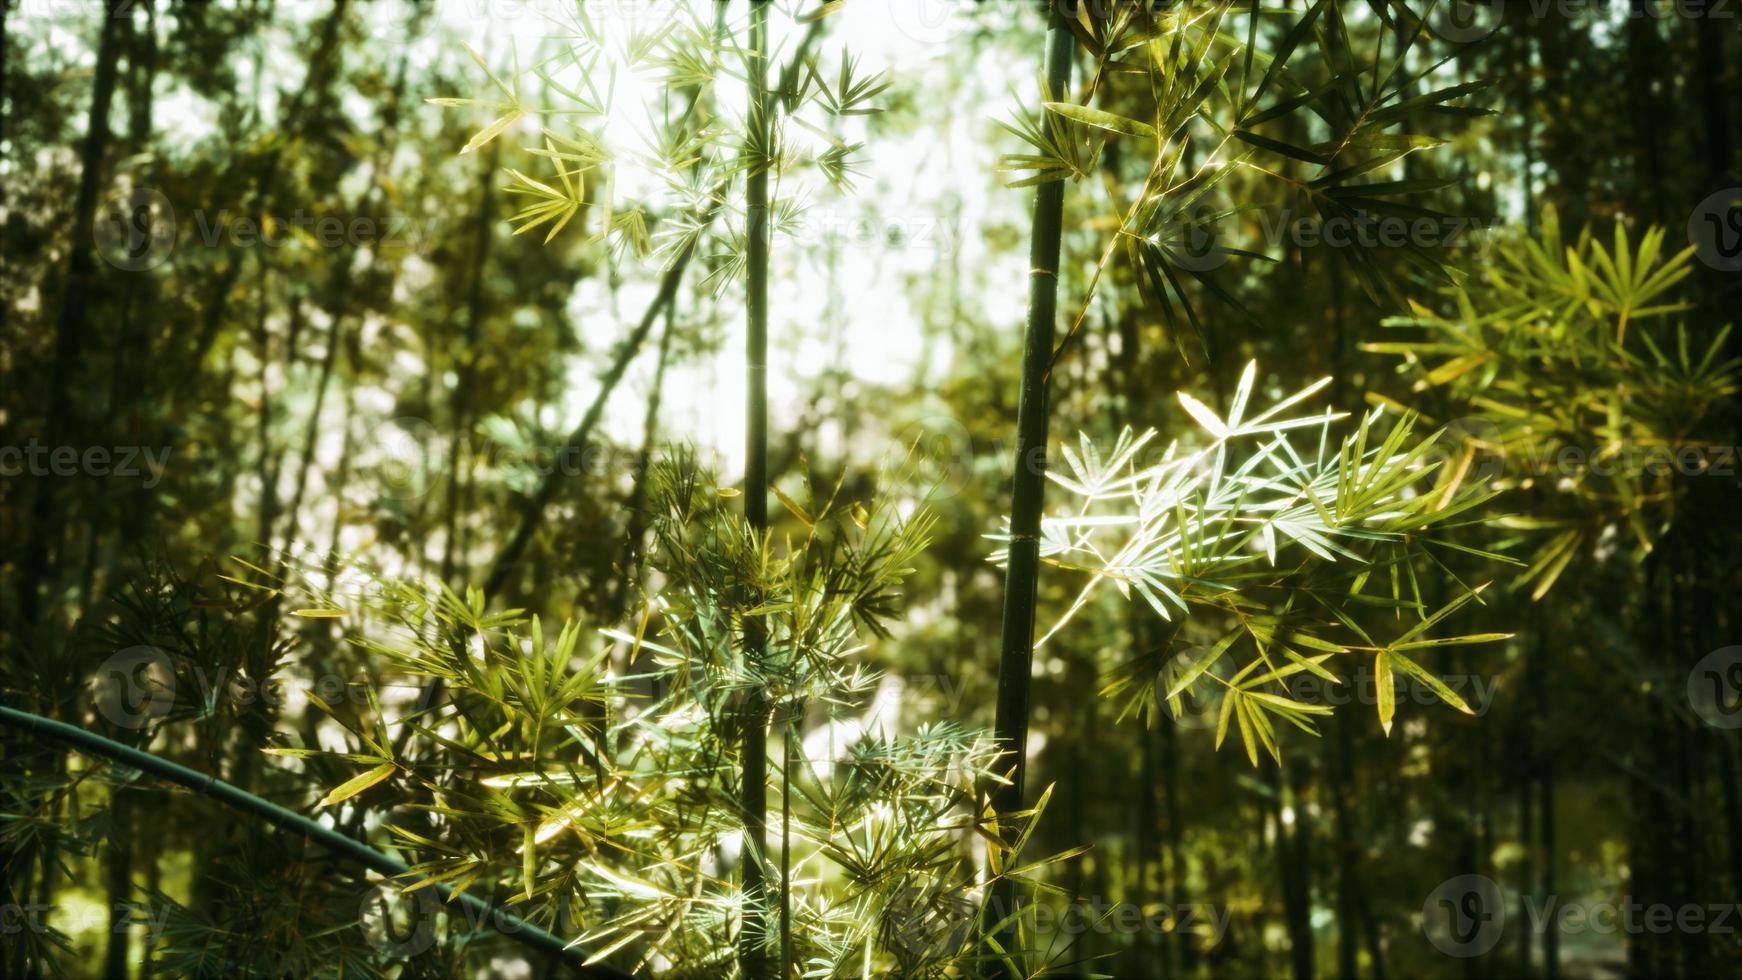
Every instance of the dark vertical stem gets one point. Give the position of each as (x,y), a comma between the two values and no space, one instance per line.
(71,330)
(1551,940)
(1526,786)
(636,505)
(1016,645)
(752,958)
(786,753)
(120,883)
(459,404)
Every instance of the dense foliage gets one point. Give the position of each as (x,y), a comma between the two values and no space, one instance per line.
(798,488)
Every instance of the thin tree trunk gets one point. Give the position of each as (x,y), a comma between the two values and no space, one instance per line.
(71,329)
(532,511)
(120,882)
(1016,645)
(752,939)
(459,405)
(636,505)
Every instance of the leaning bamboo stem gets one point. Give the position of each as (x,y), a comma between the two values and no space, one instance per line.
(1016,653)
(90,743)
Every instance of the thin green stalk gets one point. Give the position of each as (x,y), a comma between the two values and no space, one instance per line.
(752,958)
(1016,653)
(503,921)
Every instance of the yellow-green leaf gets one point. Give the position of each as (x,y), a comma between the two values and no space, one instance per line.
(357,784)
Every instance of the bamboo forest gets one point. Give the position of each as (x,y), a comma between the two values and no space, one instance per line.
(777,489)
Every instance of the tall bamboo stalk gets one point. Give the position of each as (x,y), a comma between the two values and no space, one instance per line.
(752,959)
(1016,653)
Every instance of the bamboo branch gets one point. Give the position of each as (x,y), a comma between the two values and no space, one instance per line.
(289,821)
(532,511)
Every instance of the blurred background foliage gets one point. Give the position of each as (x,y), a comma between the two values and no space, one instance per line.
(345,365)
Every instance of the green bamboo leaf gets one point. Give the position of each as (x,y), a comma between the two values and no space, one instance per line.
(357,784)
(1387,689)
(1433,683)
(1102,119)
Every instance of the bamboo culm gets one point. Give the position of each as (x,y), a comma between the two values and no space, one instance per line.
(1016,646)
(289,821)
(752,958)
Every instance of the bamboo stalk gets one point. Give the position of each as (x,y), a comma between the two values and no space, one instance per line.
(752,958)
(1016,653)
(289,821)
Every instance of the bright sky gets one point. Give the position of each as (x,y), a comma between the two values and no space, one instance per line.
(903,223)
